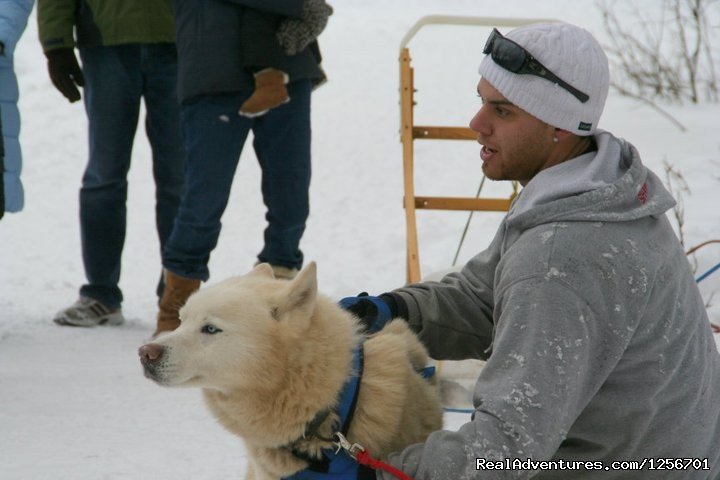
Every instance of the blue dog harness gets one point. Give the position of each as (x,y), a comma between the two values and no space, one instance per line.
(338,464)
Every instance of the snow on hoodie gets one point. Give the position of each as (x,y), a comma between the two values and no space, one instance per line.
(597,342)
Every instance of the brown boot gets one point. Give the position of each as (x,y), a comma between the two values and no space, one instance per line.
(270,92)
(177,290)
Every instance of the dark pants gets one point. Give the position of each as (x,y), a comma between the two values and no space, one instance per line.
(117,78)
(215,135)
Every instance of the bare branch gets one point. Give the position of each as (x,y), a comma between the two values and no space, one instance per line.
(678,186)
(651,104)
(662,53)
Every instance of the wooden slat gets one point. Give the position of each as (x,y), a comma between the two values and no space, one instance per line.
(460,203)
(406,120)
(443,133)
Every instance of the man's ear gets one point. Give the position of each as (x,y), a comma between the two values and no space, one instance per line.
(562,135)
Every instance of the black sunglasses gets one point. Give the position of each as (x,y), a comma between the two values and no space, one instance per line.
(514,58)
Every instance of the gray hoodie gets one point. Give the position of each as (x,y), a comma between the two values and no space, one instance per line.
(598,344)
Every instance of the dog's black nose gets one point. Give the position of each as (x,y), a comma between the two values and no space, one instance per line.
(150,353)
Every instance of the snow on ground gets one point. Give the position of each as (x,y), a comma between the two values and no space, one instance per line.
(74,403)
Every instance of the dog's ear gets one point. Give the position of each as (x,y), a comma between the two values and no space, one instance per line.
(262,270)
(301,292)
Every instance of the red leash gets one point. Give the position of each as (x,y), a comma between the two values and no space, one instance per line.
(363,457)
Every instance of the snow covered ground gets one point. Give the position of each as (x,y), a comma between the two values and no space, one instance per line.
(74,403)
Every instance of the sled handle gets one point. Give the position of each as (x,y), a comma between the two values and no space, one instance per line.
(473,21)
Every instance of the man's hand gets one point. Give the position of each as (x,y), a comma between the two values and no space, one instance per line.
(65,72)
(373,312)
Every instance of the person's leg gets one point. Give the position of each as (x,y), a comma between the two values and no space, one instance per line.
(214,135)
(282,145)
(112,101)
(162,124)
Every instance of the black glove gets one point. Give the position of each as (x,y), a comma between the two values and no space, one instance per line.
(65,72)
(374,313)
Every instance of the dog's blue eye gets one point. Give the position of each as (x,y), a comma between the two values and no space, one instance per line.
(210,329)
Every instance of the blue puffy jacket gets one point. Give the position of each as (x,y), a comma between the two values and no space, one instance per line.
(13,19)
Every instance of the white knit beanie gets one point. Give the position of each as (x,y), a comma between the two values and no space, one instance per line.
(573,55)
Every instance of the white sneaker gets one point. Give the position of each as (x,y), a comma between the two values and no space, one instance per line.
(88,312)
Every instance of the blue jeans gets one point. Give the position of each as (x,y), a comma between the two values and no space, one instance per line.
(215,135)
(117,78)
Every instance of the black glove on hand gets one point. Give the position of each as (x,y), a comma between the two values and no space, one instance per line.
(65,72)
(374,313)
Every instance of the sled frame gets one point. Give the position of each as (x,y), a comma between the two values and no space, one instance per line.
(409,133)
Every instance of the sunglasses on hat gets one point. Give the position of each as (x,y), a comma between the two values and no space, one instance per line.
(514,58)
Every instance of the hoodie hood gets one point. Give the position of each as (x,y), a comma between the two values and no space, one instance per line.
(609,185)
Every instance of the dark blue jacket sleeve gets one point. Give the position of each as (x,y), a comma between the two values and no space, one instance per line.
(286,8)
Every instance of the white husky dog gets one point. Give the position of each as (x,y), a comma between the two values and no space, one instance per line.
(272,357)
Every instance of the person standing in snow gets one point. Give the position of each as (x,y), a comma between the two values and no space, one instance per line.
(13,20)
(597,341)
(128,55)
(213,84)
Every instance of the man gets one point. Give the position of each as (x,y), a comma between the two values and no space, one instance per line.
(128,54)
(597,341)
(213,85)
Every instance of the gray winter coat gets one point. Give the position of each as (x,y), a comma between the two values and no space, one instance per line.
(599,347)
(210,51)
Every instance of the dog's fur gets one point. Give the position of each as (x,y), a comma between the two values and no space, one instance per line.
(281,355)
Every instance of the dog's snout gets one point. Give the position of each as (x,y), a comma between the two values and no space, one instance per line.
(150,353)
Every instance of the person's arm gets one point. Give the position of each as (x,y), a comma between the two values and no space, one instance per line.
(454,317)
(550,356)
(13,20)
(296,34)
(286,8)
(56,19)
